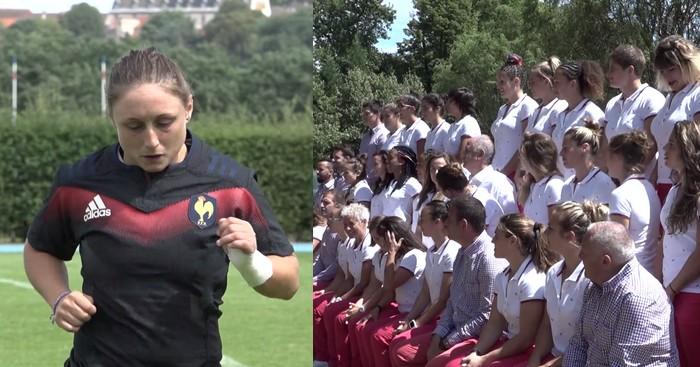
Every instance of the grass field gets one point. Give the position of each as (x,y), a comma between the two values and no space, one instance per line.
(27,338)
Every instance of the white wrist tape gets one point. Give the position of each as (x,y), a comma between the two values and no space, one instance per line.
(255,268)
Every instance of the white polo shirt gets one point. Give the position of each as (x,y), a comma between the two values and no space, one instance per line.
(525,285)
(637,200)
(400,202)
(493,209)
(344,255)
(437,137)
(576,116)
(407,293)
(543,193)
(357,256)
(361,192)
(438,261)
(466,126)
(678,246)
(393,139)
(564,302)
(411,134)
(543,118)
(427,241)
(596,186)
(678,107)
(376,206)
(624,115)
(499,186)
(379,264)
(507,129)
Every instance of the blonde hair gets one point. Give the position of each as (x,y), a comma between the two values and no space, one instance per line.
(531,238)
(577,217)
(589,134)
(684,209)
(677,51)
(546,69)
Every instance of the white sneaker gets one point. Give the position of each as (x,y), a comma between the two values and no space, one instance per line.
(320,364)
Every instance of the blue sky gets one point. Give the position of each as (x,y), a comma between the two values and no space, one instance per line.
(403,10)
(54,6)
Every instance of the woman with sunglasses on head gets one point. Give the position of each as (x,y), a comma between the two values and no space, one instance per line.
(677,63)
(541,82)
(518,297)
(512,118)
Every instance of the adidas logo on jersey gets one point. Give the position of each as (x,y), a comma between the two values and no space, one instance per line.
(96,209)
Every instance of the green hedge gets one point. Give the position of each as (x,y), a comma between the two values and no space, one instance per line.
(32,151)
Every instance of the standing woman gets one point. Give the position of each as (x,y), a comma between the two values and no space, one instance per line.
(384,178)
(416,129)
(579,84)
(681,258)
(634,203)
(566,281)
(541,82)
(397,198)
(461,104)
(542,185)
(512,118)
(151,263)
(392,122)
(431,108)
(353,172)
(518,298)
(677,63)
(580,149)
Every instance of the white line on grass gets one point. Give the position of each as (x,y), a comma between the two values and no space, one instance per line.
(226,361)
(16,283)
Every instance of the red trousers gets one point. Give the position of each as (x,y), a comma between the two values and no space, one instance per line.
(320,303)
(662,190)
(453,356)
(687,325)
(410,348)
(364,335)
(332,312)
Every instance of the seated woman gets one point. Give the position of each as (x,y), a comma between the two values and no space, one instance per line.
(422,319)
(518,295)
(566,281)
(404,265)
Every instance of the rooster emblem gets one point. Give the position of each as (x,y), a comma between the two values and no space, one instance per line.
(202,209)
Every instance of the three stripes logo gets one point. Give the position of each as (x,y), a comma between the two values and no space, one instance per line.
(96,209)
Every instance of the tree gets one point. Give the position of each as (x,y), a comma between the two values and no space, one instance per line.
(84,20)
(432,31)
(233,28)
(169,29)
(348,30)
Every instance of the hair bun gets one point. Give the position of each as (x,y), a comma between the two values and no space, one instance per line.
(514,59)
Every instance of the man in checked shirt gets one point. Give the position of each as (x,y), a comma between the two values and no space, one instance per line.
(626,315)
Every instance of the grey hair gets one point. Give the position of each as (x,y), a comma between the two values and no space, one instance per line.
(355,211)
(613,239)
(483,144)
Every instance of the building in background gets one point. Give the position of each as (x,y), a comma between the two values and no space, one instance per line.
(127,17)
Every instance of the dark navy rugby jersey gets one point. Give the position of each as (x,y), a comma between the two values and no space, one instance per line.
(148,251)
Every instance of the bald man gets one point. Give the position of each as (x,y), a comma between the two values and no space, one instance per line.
(626,314)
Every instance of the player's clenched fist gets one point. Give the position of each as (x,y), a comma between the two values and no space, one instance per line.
(74,310)
(237,238)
